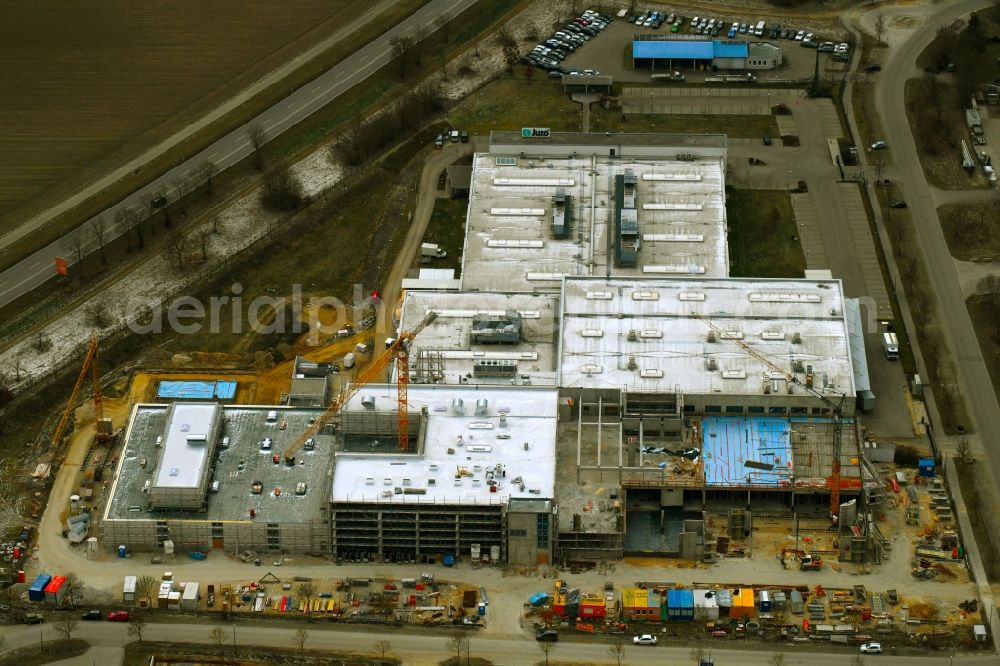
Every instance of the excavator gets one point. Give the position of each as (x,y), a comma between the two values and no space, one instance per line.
(807,562)
(397,351)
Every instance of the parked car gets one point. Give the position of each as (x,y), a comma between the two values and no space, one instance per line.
(118,616)
(787,34)
(879,145)
(33,618)
(809,37)
(800,35)
(644,639)
(871,648)
(897,204)
(873,67)
(743,28)
(808,43)
(93,615)
(548,635)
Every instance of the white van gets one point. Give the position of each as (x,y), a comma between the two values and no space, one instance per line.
(890,344)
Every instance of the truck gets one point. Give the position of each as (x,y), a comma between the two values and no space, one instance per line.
(432,250)
(349,360)
(890,345)
(758,31)
(967,162)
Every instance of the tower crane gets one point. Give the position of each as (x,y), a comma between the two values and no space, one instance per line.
(398,351)
(90,364)
(836,410)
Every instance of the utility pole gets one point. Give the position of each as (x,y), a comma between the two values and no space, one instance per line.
(814,89)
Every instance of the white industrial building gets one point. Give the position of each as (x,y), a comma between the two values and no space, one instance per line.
(595,309)
(479,449)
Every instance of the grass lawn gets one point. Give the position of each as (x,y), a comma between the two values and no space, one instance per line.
(602,120)
(762,235)
(515,101)
(972,231)
(46,653)
(139,654)
(986,321)
(447,229)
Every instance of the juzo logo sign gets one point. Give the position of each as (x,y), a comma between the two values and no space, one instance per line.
(535,132)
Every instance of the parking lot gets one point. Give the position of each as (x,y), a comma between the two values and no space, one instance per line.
(608,50)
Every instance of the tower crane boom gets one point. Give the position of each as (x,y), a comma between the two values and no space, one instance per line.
(375,370)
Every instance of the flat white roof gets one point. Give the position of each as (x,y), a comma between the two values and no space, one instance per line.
(184,453)
(478,444)
(794,324)
(680,207)
(445,345)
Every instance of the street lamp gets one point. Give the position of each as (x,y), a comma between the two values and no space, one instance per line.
(234,638)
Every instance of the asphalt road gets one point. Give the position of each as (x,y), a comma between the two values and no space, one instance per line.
(972,373)
(39,267)
(429,646)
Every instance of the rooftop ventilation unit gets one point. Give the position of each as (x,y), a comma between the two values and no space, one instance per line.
(482,406)
(632,336)
(600,295)
(368,402)
(650,334)
(592,333)
(458,406)
(651,373)
(632,365)
(711,364)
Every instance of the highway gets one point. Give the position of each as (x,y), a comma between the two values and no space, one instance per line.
(428,646)
(973,376)
(228,150)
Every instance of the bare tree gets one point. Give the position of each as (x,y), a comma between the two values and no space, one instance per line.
(299,638)
(258,137)
(145,587)
(282,189)
(216,223)
(100,231)
(136,626)
(219,636)
(546,647)
(97,315)
(402,46)
(445,18)
(133,224)
(697,653)
(77,244)
(858,660)
(74,588)
(18,367)
(207,170)
(66,626)
(963,449)
(776,659)
(508,46)
(203,239)
(383,647)
(176,247)
(989,286)
(306,592)
(419,35)
(41,343)
(458,644)
(879,26)
(617,649)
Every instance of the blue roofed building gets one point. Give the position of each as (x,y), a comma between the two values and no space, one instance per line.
(685,52)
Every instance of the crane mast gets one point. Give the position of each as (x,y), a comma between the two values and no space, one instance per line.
(91,366)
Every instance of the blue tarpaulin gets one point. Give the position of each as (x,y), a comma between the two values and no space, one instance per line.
(538,599)
(172,389)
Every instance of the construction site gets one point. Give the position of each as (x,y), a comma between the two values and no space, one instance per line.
(594,390)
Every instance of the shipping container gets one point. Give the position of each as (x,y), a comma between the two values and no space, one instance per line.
(724,598)
(795,602)
(37,590)
(190,599)
(765,601)
(680,605)
(640,604)
(128,590)
(55,590)
(779,600)
(743,604)
(706,605)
